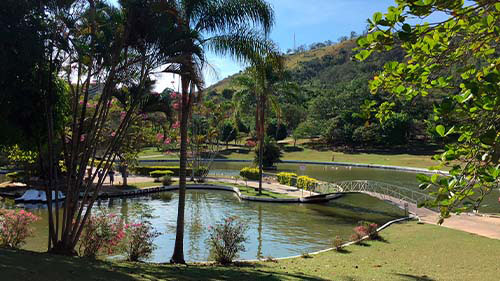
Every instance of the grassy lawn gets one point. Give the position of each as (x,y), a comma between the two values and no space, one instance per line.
(411,252)
(308,154)
(250,191)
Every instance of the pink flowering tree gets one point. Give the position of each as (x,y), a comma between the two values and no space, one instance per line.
(15,227)
(102,235)
(139,241)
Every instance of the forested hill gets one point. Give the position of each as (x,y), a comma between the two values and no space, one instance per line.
(333,87)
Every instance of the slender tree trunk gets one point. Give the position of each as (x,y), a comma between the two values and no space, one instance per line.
(178,256)
(262,130)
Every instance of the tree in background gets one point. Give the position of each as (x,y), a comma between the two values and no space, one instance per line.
(228,132)
(458,58)
(271,153)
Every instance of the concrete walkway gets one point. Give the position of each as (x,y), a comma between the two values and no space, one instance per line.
(480,225)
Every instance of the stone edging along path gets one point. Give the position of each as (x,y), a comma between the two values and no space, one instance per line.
(224,188)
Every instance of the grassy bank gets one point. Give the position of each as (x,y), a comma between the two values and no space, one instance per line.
(420,159)
(411,252)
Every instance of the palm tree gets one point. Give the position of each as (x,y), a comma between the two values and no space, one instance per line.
(226,27)
(262,80)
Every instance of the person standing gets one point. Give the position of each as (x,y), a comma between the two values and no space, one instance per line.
(111,174)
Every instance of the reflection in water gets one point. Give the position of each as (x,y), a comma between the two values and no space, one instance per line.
(275,230)
(259,237)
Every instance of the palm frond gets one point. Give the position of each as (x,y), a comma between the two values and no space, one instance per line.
(225,16)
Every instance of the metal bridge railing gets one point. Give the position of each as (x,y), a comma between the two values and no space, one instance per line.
(366,186)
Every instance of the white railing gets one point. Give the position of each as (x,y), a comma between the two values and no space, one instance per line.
(366,186)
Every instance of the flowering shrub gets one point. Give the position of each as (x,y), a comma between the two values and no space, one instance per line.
(139,240)
(15,227)
(250,173)
(367,229)
(227,239)
(102,234)
(287,178)
(355,237)
(361,230)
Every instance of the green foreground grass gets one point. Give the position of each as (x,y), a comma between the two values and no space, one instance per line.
(411,252)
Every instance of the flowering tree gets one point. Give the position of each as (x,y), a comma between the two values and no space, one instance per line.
(139,240)
(92,44)
(102,235)
(15,227)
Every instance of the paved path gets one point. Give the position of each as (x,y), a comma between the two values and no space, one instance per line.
(484,226)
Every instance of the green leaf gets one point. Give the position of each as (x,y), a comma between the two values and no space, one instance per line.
(440,130)
(497,6)
(377,17)
(363,55)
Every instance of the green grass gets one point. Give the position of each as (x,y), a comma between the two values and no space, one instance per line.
(308,154)
(410,252)
(250,191)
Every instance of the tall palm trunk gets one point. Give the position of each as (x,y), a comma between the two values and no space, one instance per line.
(178,256)
(262,130)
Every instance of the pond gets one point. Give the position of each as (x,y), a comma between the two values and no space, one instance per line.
(275,230)
(332,173)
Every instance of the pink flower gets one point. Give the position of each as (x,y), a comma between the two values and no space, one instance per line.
(82,138)
(159,136)
(167,141)
(176,125)
(113,134)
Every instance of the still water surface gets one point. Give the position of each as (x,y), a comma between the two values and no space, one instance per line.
(275,230)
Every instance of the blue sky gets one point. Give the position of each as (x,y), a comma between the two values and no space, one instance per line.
(311,21)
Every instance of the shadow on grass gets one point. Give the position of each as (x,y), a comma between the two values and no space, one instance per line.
(414,277)
(25,265)
(343,251)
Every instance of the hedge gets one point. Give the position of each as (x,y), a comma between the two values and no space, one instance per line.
(161,173)
(250,173)
(287,178)
(146,170)
(307,183)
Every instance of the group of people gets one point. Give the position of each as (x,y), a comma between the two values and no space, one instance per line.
(110,174)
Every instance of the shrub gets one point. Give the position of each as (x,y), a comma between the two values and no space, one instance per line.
(355,237)
(337,243)
(287,178)
(227,239)
(361,231)
(250,173)
(145,170)
(271,153)
(15,227)
(139,238)
(307,183)
(166,180)
(370,229)
(103,233)
(160,173)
